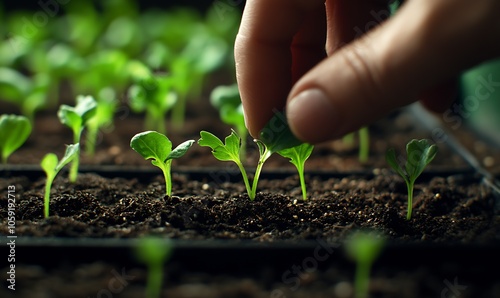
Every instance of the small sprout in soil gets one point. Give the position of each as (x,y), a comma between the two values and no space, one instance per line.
(156,146)
(227,100)
(419,154)
(275,136)
(298,156)
(51,165)
(14,130)
(77,119)
(364,143)
(363,248)
(154,252)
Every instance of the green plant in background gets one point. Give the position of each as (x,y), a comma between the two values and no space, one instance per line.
(156,146)
(29,94)
(275,136)
(51,165)
(77,119)
(364,143)
(364,248)
(298,156)
(227,100)
(419,154)
(105,111)
(154,253)
(14,131)
(156,97)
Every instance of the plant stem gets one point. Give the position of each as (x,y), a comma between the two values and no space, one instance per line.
(300,169)
(409,185)
(73,172)
(46,197)
(168,178)
(245,179)
(154,281)
(262,160)
(364,144)
(362,279)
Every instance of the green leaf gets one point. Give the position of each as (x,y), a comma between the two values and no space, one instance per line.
(152,145)
(13,84)
(180,150)
(71,152)
(391,159)
(232,116)
(420,153)
(77,117)
(223,96)
(298,154)
(276,135)
(223,152)
(14,131)
(49,164)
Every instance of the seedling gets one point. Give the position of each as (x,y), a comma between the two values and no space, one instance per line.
(156,146)
(106,106)
(14,130)
(77,118)
(363,248)
(419,154)
(364,143)
(154,253)
(274,137)
(156,97)
(51,165)
(227,100)
(298,156)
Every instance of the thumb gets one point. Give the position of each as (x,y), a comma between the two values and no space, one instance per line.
(425,44)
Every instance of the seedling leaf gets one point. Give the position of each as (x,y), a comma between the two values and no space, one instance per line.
(49,164)
(152,145)
(180,150)
(276,135)
(223,152)
(14,130)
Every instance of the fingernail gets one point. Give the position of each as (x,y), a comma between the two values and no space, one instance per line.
(312,116)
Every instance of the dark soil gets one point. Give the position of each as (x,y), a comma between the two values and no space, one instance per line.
(453,209)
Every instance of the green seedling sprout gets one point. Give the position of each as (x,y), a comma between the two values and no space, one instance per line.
(364,143)
(419,154)
(77,119)
(227,100)
(154,253)
(363,248)
(298,156)
(106,106)
(156,146)
(155,96)
(275,136)
(51,165)
(14,131)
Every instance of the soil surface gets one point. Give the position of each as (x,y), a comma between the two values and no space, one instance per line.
(453,209)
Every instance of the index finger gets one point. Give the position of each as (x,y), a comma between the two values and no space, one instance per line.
(276,39)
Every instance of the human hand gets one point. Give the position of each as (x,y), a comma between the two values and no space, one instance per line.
(415,55)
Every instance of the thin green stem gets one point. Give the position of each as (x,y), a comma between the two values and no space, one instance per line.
(245,179)
(91,140)
(262,160)
(168,177)
(362,279)
(409,185)
(46,197)
(73,172)
(364,144)
(154,281)
(300,170)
